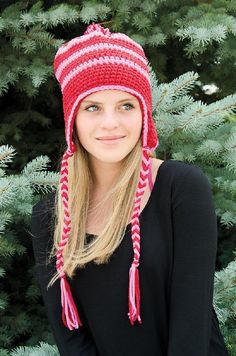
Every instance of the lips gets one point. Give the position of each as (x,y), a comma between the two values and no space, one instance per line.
(108,138)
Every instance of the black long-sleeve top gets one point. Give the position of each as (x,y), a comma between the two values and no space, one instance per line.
(177,264)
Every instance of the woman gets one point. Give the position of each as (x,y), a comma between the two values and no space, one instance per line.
(125,223)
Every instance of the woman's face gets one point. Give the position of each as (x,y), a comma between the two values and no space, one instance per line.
(104,115)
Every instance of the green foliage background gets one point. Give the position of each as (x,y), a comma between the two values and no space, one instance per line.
(179,37)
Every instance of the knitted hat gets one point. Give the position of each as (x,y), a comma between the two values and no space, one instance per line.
(101,60)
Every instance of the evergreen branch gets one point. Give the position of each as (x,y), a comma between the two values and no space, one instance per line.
(226,185)
(3,24)
(36,36)
(4,297)
(43,349)
(10,11)
(184,83)
(168,93)
(230,160)
(4,352)
(203,25)
(202,37)
(226,105)
(139,38)
(5,218)
(228,219)
(54,16)
(2,272)
(208,148)
(141,22)
(225,290)
(10,71)
(8,248)
(7,193)
(58,15)
(148,8)
(33,293)
(230,144)
(6,338)
(179,104)
(195,115)
(44,181)
(92,11)
(38,73)
(156,39)
(2,173)
(27,19)
(38,164)
(7,154)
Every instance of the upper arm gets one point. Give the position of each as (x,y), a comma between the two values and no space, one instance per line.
(194,254)
(69,343)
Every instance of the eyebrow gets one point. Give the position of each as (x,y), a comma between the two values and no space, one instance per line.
(120,101)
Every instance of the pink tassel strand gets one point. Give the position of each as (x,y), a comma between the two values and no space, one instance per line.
(134,295)
(70,315)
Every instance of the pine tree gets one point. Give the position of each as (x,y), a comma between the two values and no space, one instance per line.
(27,85)
(225,304)
(19,291)
(42,350)
(198,133)
(176,34)
(191,47)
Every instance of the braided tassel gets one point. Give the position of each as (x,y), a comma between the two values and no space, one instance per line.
(70,315)
(134,290)
(134,295)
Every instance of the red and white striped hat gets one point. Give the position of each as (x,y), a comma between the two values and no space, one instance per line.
(101,60)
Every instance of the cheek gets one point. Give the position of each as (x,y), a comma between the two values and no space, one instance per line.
(81,127)
(77,131)
(80,132)
(135,125)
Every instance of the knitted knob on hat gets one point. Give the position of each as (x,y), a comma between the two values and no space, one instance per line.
(101,60)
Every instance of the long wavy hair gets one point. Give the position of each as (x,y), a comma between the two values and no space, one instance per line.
(78,251)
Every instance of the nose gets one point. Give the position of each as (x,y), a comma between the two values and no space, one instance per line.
(109,120)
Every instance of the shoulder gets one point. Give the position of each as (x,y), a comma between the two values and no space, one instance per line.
(176,170)
(181,178)
(44,206)
(189,187)
(42,223)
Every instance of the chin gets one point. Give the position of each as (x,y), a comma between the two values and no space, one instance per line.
(111,157)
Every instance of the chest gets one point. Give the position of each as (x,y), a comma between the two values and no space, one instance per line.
(97,218)
(98,286)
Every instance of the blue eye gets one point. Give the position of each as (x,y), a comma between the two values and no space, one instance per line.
(91,106)
(129,105)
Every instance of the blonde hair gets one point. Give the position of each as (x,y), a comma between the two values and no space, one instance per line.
(77,252)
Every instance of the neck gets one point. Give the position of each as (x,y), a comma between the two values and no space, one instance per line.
(104,174)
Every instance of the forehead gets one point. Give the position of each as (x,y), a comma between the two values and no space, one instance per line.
(111,95)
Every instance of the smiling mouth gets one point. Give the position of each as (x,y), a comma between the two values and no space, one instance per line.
(110,138)
(111,141)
